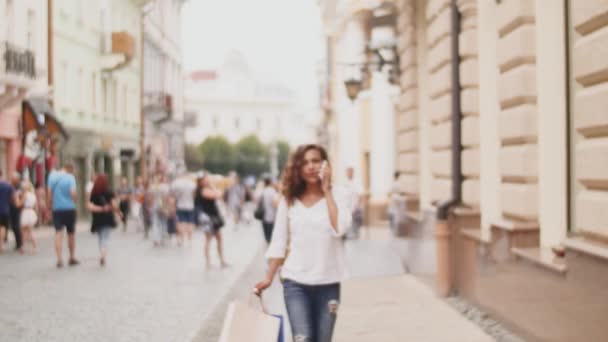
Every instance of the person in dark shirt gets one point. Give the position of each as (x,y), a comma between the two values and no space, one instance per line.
(103,206)
(6,197)
(15,211)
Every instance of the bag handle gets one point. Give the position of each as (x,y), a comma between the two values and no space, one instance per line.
(255,293)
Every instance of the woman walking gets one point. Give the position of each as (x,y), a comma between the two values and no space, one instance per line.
(307,242)
(205,200)
(29,215)
(103,205)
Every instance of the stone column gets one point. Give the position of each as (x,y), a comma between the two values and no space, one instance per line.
(438,20)
(518,117)
(382,143)
(469,96)
(406,127)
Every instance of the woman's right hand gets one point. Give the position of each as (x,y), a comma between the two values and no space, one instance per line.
(261,286)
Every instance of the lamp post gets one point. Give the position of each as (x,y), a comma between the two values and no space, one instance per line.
(353,88)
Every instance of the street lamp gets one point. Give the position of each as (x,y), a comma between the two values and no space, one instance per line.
(353,88)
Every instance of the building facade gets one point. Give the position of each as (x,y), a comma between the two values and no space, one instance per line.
(233,103)
(359,129)
(96,60)
(23,70)
(501,116)
(163,86)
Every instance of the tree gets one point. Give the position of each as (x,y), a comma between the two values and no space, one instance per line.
(218,155)
(252,157)
(284,150)
(193,157)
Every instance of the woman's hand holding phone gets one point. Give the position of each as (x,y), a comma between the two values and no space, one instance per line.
(325,176)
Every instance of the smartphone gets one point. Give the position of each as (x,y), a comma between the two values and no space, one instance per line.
(323,167)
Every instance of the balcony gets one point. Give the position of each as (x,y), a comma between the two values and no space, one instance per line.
(158,106)
(17,73)
(122,51)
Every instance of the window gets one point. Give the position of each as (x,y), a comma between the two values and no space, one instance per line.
(258,123)
(105,97)
(215,122)
(125,99)
(64,89)
(79,86)
(80,12)
(237,123)
(10,15)
(94,92)
(31,30)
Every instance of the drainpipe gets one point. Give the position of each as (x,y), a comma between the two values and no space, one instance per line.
(442,231)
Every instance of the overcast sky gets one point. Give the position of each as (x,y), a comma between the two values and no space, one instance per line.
(281,39)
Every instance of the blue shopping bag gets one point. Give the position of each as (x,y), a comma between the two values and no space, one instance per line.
(281,328)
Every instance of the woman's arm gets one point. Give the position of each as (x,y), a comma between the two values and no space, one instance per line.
(209,193)
(94,208)
(273,266)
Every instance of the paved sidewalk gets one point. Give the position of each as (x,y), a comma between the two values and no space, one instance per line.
(399,308)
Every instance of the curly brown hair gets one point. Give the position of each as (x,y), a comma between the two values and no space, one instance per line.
(292,183)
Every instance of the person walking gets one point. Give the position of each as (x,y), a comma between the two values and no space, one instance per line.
(7,194)
(15,211)
(210,218)
(103,205)
(355,202)
(62,198)
(137,201)
(307,242)
(124,196)
(183,188)
(29,215)
(235,196)
(159,192)
(270,201)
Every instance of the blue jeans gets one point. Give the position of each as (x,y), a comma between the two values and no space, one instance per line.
(103,233)
(312,310)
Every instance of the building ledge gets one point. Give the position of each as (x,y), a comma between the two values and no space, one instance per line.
(587,246)
(515,226)
(473,234)
(466,212)
(541,257)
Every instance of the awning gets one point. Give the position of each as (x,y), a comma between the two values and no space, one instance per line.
(38,114)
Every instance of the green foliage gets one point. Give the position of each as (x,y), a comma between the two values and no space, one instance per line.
(252,157)
(284,150)
(218,155)
(194,158)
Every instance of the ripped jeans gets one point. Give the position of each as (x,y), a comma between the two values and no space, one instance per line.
(312,310)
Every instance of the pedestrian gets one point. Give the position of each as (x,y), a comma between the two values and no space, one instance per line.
(235,196)
(89,187)
(206,198)
(44,216)
(183,188)
(307,242)
(137,201)
(29,215)
(269,201)
(395,214)
(355,202)
(62,197)
(159,192)
(7,194)
(124,196)
(146,208)
(15,211)
(172,218)
(103,206)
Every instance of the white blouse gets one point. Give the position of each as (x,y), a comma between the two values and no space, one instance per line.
(316,254)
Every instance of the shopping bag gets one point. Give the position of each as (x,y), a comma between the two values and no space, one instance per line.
(281,328)
(244,323)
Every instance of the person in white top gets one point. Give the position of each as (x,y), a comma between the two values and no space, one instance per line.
(183,189)
(29,215)
(355,202)
(307,241)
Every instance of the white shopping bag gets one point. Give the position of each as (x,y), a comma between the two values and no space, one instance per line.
(244,323)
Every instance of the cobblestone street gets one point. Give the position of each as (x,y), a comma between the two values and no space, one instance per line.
(143,294)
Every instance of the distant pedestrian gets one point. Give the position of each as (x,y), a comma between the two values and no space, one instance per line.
(44,214)
(124,196)
(269,201)
(235,197)
(62,197)
(307,242)
(103,205)
(159,191)
(137,200)
(355,202)
(184,188)
(7,194)
(146,208)
(210,217)
(29,215)
(15,211)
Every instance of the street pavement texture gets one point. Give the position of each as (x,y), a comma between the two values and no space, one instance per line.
(379,301)
(143,293)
